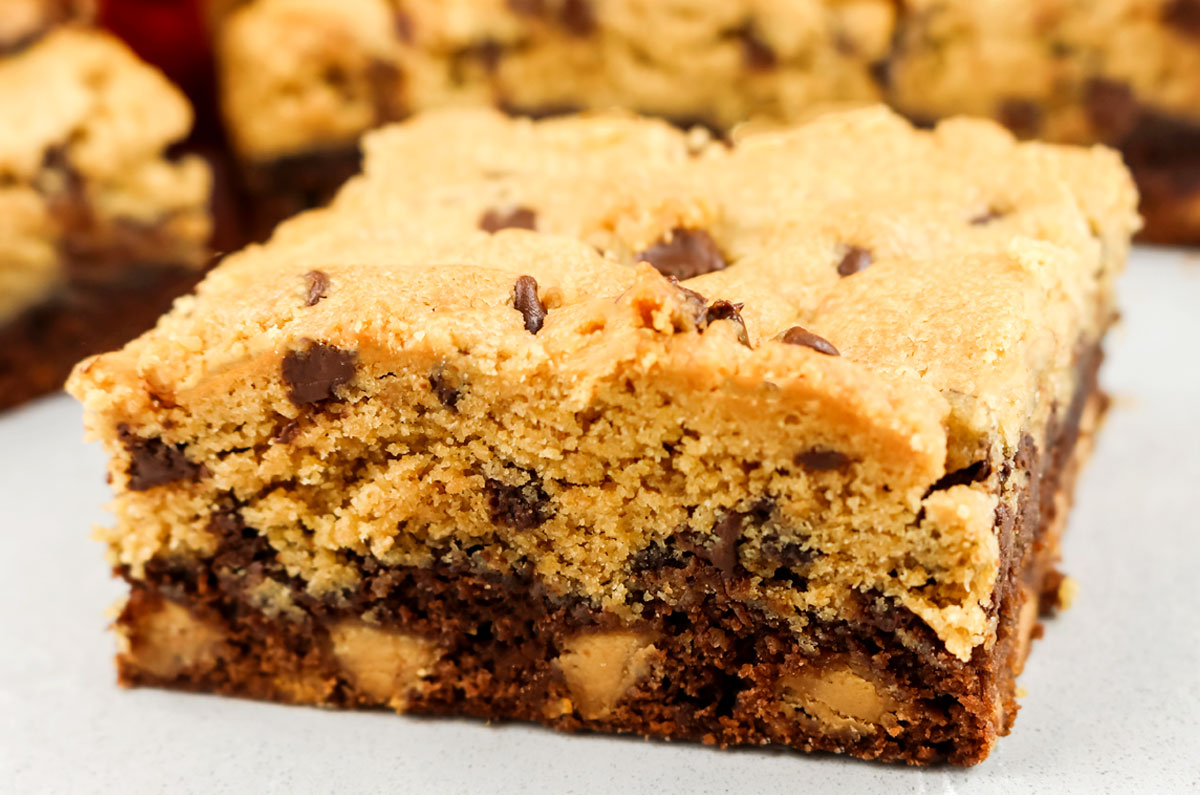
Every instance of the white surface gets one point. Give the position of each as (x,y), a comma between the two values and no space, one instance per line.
(1114,688)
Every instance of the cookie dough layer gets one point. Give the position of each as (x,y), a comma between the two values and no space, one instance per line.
(90,205)
(578,351)
(303,79)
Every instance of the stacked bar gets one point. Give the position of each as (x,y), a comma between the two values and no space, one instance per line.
(605,425)
(99,228)
(303,79)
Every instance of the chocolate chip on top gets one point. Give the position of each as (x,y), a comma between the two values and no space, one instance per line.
(986,217)
(798,335)
(1183,15)
(756,53)
(724,310)
(314,373)
(856,259)
(578,17)
(516,218)
(316,285)
(526,301)
(685,254)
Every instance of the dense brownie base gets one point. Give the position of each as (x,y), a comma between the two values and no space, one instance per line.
(279,189)
(39,348)
(721,669)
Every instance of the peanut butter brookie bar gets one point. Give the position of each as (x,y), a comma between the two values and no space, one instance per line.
(99,228)
(599,424)
(302,80)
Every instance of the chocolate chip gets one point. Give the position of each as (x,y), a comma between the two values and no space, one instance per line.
(724,310)
(577,17)
(695,301)
(526,301)
(1184,16)
(447,393)
(881,72)
(316,283)
(798,335)
(153,462)
(727,533)
(520,507)
(286,432)
(527,7)
(686,254)
(972,473)
(312,374)
(985,218)
(1111,106)
(856,259)
(404,26)
(756,53)
(517,218)
(821,460)
(387,91)
(488,52)
(1022,116)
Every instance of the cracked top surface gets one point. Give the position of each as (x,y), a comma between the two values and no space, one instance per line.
(878,306)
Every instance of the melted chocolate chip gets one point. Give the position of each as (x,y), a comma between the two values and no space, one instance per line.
(856,259)
(447,393)
(387,91)
(526,301)
(286,432)
(577,17)
(985,218)
(517,218)
(520,507)
(1183,15)
(972,473)
(797,335)
(314,373)
(1021,116)
(153,462)
(404,26)
(821,460)
(1111,106)
(724,310)
(727,533)
(756,53)
(687,254)
(316,284)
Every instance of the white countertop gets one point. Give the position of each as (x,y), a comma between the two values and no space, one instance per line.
(1113,699)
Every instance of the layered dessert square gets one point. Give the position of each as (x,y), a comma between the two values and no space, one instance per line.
(100,228)
(303,79)
(600,424)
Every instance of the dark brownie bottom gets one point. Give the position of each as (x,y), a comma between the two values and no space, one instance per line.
(39,348)
(712,665)
(278,189)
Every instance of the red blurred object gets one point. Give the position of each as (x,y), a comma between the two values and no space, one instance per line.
(174,36)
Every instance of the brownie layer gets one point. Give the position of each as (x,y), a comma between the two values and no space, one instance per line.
(458,638)
(39,347)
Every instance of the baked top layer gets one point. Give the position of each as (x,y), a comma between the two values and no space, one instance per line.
(338,69)
(1066,70)
(470,344)
(84,176)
